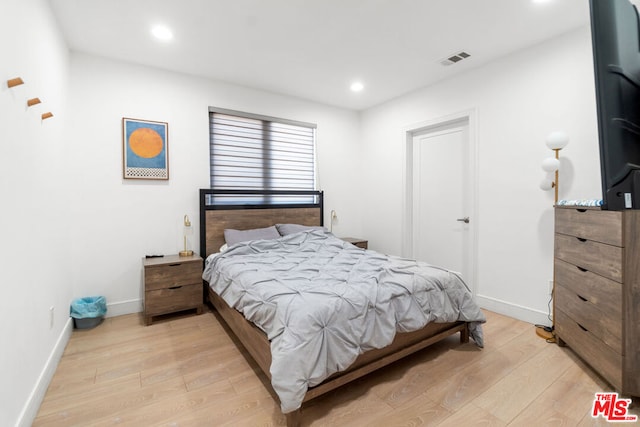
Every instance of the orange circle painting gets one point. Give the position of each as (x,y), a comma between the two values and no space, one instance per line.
(145,142)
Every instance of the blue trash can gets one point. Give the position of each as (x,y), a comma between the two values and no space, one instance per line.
(88,312)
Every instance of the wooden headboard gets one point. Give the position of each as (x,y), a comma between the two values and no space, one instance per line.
(247,209)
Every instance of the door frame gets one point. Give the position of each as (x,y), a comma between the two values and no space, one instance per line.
(433,125)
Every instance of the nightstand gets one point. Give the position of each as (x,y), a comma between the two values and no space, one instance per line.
(171,283)
(361,243)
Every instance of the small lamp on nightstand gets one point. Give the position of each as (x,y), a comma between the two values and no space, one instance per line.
(187,231)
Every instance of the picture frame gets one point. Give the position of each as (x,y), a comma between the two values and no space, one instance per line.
(145,149)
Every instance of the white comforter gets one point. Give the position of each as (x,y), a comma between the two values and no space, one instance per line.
(322,302)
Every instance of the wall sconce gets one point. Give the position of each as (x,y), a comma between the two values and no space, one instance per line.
(555,141)
(187,231)
(334,216)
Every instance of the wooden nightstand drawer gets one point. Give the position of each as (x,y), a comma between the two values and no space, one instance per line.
(591,224)
(173,299)
(172,283)
(599,355)
(600,258)
(172,274)
(361,243)
(607,329)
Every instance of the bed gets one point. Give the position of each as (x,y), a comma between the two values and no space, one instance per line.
(350,296)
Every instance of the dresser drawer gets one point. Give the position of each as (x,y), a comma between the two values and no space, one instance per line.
(599,355)
(591,224)
(170,275)
(605,293)
(172,299)
(599,258)
(606,328)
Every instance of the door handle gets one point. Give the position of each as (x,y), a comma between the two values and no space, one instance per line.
(465,220)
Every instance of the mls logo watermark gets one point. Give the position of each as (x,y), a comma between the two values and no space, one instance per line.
(612,408)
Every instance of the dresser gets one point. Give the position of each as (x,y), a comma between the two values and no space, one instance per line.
(172,283)
(597,291)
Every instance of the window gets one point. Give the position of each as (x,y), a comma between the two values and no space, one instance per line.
(251,152)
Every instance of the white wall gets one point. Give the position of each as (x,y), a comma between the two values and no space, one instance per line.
(35,271)
(116,221)
(71,225)
(519,100)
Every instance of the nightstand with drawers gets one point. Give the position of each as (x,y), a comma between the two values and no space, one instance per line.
(172,283)
(361,243)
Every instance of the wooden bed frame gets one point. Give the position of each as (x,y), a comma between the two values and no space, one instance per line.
(216,216)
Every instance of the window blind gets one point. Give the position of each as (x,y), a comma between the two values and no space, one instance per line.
(252,152)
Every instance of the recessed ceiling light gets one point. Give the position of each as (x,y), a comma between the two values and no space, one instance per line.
(540,1)
(356,87)
(162,33)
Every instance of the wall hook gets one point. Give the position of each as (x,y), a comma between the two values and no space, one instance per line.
(15,82)
(33,101)
(46,115)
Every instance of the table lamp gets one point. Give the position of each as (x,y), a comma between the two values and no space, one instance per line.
(187,231)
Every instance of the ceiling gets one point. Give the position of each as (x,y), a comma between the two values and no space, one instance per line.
(314,49)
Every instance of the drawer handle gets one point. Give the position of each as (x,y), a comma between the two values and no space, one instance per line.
(583,328)
(174,265)
(581,239)
(175,287)
(584,270)
(581,210)
(583,298)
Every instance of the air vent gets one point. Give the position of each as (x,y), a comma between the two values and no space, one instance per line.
(456,57)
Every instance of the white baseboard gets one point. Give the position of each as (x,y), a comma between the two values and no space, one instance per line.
(526,314)
(30,410)
(124,307)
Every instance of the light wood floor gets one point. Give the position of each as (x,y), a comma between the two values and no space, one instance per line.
(187,371)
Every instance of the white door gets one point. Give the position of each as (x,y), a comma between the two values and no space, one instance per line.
(441,199)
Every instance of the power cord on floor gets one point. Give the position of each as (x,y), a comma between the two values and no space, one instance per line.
(546,328)
(547,332)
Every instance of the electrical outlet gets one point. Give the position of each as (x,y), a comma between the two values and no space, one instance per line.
(51,316)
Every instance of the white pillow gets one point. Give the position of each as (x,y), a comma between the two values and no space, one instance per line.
(236,236)
(286,229)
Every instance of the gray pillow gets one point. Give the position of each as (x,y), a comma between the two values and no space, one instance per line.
(236,236)
(286,229)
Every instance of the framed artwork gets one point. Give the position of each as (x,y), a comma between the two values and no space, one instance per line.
(145,148)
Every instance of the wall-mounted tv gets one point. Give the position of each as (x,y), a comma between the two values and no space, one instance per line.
(615,33)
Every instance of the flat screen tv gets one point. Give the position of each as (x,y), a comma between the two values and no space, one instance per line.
(615,33)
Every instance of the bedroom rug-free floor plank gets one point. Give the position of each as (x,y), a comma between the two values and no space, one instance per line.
(188,371)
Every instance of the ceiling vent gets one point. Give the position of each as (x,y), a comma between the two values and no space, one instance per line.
(456,57)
